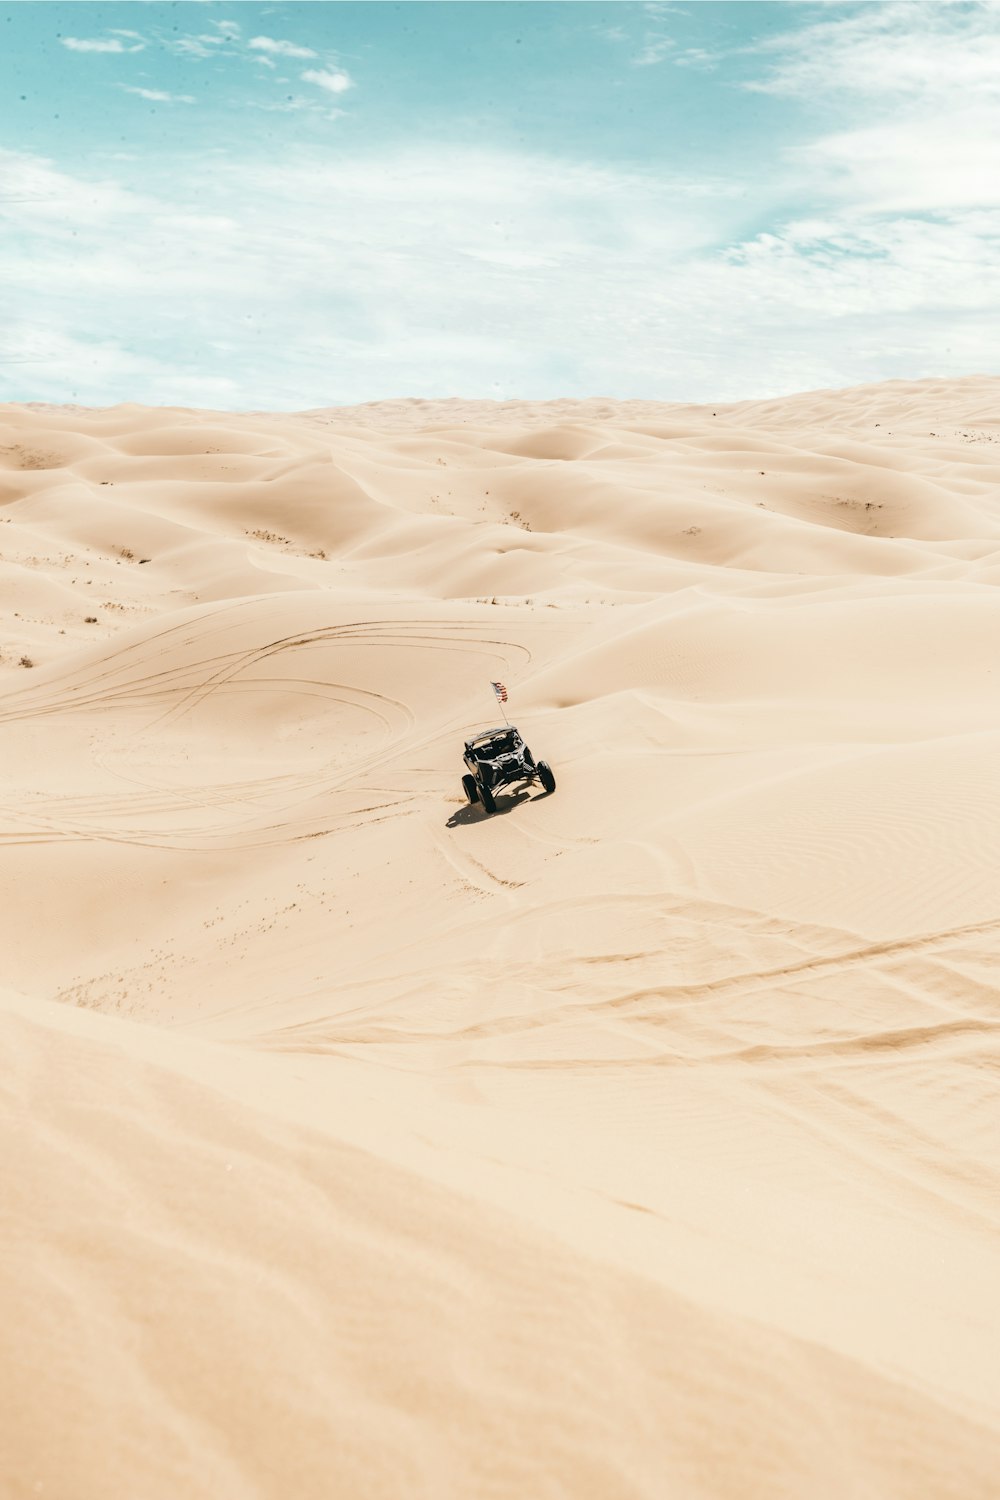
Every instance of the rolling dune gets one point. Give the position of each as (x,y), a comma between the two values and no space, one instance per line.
(641,1140)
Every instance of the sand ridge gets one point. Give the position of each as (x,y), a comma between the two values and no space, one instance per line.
(640,1139)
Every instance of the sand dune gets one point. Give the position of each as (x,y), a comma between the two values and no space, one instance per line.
(640,1140)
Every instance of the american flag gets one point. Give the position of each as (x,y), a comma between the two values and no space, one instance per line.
(500,691)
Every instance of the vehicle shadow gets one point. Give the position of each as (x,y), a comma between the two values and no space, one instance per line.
(472,812)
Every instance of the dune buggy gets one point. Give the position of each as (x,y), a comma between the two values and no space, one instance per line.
(498,758)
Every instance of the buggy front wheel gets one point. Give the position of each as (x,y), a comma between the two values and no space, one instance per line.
(471,790)
(545,776)
(488,800)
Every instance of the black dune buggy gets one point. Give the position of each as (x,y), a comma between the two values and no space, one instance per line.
(497,758)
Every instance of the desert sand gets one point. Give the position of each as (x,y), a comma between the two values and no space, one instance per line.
(642,1140)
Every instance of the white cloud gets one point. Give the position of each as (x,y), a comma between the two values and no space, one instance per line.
(204,44)
(459,271)
(87,365)
(920,86)
(893,50)
(908,165)
(159,96)
(334,80)
(453,270)
(100,44)
(279,48)
(56,201)
(874,270)
(696,57)
(193,46)
(297,104)
(285,106)
(654,50)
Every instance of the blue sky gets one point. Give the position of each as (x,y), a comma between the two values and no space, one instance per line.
(279,206)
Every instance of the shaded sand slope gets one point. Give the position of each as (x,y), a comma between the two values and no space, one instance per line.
(642,1138)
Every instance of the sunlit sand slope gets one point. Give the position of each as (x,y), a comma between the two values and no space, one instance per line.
(641,1139)
(226,1306)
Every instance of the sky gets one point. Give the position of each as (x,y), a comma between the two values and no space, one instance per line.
(283,206)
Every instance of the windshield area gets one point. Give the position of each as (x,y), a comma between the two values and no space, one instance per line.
(501,744)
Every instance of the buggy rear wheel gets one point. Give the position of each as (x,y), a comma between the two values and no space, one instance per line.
(545,776)
(471,790)
(487,798)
